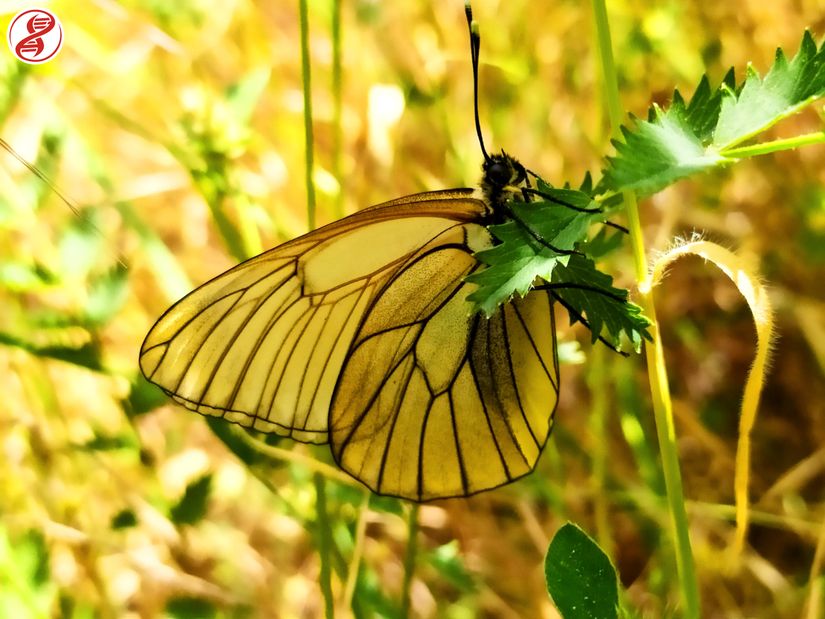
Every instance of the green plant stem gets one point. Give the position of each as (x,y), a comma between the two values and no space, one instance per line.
(216,199)
(324,543)
(357,551)
(765,148)
(657,373)
(308,137)
(409,560)
(598,428)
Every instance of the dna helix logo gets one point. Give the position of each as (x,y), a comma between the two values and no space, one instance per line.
(35,36)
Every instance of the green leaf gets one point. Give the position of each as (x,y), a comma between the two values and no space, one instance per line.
(385,504)
(243,95)
(539,236)
(111,442)
(580,578)
(700,135)
(230,435)
(124,519)
(656,153)
(603,243)
(535,246)
(787,88)
(512,268)
(192,506)
(590,293)
(22,277)
(562,220)
(702,113)
(190,608)
(86,355)
(143,397)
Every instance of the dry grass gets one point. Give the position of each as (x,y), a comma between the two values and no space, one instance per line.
(136,123)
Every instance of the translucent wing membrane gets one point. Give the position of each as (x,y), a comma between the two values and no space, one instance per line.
(263,344)
(361,333)
(437,401)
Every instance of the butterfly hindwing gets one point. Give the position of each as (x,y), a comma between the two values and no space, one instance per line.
(435,400)
(263,344)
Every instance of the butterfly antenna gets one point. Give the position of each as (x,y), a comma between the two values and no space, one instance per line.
(475,46)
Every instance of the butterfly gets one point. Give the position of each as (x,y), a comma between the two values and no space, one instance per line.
(360,333)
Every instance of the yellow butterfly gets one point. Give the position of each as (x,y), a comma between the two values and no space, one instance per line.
(360,334)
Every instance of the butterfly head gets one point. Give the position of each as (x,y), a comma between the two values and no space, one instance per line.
(503,178)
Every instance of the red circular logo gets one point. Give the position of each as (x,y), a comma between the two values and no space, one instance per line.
(35,36)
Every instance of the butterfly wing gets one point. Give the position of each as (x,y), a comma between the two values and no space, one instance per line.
(435,400)
(263,344)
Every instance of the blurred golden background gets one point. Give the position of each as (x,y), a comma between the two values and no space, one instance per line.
(168,124)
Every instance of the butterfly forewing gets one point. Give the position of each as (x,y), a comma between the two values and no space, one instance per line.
(435,400)
(263,344)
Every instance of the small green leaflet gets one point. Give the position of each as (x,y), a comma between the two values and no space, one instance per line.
(537,237)
(193,504)
(589,292)
(580,577)
(603,243)
(85,355)
(787,88)
(694,136)
(536,248)
(656,153)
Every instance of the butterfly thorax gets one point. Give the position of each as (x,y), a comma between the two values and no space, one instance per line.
(504,178)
